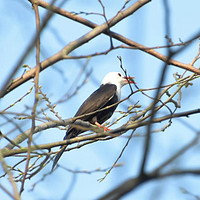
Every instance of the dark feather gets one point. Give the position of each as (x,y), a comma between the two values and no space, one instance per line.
(97,100)
(102,97)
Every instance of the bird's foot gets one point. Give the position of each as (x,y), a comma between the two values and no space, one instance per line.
(104,127)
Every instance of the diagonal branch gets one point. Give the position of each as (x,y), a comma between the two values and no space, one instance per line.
(75,44)
(8,150)
(123,39)
(59,56)
(133,183)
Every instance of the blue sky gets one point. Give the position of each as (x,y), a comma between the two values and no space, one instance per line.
(146,26)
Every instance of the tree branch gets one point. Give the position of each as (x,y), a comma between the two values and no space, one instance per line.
(9,151)
(133,183)
(74,44)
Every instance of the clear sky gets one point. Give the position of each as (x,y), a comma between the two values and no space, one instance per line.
(146,26)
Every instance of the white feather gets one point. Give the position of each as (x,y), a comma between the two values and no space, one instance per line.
(117,79)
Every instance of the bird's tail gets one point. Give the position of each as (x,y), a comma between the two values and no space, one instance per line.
(59,154)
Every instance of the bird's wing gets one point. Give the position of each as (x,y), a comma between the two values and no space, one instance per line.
(93,103)
(97,100)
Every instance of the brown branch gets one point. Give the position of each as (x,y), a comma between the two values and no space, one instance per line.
(36,82)
(15,195)
(20,138)
(133,183)
(96,31)
(131,124)
(120,155)
(122,38)
(5,189)
(9,82)
(136,124)
(63,54)
(8,151)
(163,73)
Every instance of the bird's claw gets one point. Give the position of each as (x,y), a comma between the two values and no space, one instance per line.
(104,127)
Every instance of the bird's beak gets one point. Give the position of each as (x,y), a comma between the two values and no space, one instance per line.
(129,79)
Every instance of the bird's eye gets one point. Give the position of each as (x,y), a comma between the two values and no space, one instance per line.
(119,74)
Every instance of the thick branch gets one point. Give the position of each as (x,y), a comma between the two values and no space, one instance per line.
(133,183)
(82,125)
(74,44)
(96,30)
(122,38)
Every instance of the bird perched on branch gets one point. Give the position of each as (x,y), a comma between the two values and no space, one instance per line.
(107,94)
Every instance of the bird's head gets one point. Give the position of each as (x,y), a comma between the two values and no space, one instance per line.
(116,78)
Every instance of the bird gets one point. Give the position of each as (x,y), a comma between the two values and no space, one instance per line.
(107,94)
